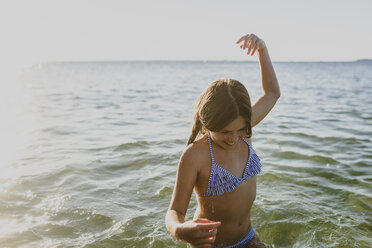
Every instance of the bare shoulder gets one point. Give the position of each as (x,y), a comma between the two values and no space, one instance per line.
(196,154)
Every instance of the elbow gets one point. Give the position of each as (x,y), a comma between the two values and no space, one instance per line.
(172,225)
(277,94)
(168,222)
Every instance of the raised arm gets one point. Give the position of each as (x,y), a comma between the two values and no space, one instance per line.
(199,232)
(270,86)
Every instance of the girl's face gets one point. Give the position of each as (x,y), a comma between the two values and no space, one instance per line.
(228,137)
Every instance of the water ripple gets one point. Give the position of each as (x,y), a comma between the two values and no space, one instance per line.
(100,161)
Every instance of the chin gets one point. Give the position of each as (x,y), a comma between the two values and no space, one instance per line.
(228,146)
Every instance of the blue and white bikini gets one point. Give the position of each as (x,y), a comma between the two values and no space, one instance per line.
(222,181)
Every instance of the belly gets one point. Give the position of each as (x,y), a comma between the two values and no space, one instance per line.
(232,209)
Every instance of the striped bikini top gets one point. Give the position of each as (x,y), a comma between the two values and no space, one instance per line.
(222,181)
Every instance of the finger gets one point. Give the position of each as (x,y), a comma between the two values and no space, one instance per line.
(209,240)
(207,234)
(254,40)
(241,39)
(254,49)
(205,242)
(247,41)
(202,245)
(246,45)
(250,46)
(208,226)
(202,220)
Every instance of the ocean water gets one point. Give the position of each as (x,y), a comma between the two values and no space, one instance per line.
(90,152)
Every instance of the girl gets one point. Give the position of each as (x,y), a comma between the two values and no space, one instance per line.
(219,163)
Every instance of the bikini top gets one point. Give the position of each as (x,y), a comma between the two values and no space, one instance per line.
(222,181)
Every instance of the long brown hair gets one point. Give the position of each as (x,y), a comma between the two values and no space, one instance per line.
(221,103)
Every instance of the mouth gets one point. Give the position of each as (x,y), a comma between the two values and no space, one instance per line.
(230,144)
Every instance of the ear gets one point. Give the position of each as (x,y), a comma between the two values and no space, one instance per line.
(249,131)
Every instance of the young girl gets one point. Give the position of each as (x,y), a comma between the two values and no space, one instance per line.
(219,163)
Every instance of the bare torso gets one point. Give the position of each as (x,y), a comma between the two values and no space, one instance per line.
(232,208)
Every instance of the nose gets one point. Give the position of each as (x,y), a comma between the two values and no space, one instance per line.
(233,137)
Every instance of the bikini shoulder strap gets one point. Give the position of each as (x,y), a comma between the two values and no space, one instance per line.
(246,142)
(210,149)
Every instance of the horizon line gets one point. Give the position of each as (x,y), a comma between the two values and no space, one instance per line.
(197,60)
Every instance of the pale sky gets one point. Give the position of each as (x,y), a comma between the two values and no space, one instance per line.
(36,31)
(39,31)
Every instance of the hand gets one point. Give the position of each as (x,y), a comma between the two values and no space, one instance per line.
(252,42)
(199,232)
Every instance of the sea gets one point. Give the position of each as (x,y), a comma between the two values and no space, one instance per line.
(90,152)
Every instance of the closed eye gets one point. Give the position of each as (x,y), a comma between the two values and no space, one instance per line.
(240,130)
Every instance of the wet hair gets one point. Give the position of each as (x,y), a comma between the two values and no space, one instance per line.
(221,103)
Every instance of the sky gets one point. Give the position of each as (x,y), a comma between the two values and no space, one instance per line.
(34,32)
(38,31)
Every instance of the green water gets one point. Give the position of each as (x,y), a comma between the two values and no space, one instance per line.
(96,147)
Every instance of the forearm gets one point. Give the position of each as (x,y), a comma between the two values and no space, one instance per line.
(269,82)
(173,220)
